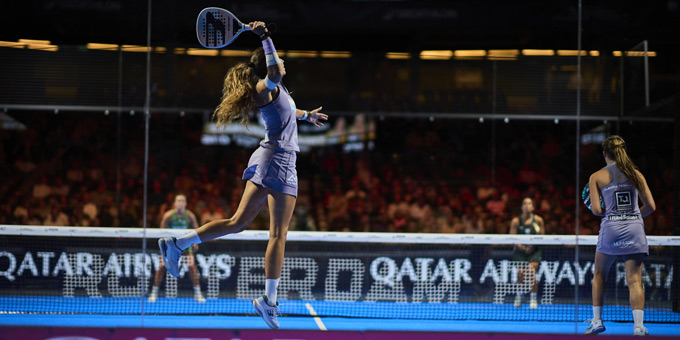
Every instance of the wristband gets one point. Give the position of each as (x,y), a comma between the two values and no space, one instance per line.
(304,117)
(269,84)
(272,59)
(265,35)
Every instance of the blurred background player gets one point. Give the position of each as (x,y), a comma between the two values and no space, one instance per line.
(179,218)
(527,223)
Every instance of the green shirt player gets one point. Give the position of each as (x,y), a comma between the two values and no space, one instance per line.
(179,218)
(527,223)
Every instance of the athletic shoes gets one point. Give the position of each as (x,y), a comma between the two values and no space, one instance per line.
(518,301)
(267,312)
(171,254)
(533,304)
(153,297)
(641,331)
(596,326)
(199,297)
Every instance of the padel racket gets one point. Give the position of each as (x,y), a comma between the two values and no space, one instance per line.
(585,195)
(217,27)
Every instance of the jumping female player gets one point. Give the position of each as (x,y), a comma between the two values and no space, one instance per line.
(270,176)
(622,229)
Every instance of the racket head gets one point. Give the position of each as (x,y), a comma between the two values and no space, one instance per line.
(216,27)
(585,195)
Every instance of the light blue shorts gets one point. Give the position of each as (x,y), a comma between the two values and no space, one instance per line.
(274,170)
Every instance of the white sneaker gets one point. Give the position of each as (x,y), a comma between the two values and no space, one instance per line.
(533,304)
(199,297)
(596,326)
(171,254)
(518,301)
(641,331)
(153,297)
(267,312)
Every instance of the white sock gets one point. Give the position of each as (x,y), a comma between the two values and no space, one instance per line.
(154,290)
(533,296)
(270,290)
(188,240)
(638,315)
(197,289)
(597,312)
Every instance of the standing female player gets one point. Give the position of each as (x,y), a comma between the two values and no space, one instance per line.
(622,229)
(270,176)
(527,223)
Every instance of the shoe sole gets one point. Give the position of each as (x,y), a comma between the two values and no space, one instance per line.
(271,325)
(596,332)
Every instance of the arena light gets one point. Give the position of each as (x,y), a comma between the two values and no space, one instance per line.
(530,52)
(503,54)
(34,42)
(235,53)
(398,55)
(617,53)
(640,53)
(105,47)
(180,50)
(594,53)
(203,52)
(302,54)
(469,54)
(336,54)
(436,54)
(570,53)
(134,48)
(12,44)
(160,49)
(42,47)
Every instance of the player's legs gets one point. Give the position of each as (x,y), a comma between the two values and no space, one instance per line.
(281,208)
(193,273)
(633,265)
(533,267)
(251,203)
(603,263)
(157,280)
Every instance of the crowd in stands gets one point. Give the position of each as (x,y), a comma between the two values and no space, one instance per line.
(420,176)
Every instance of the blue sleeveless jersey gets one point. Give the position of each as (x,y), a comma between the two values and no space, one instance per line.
(622,228)
(280,123)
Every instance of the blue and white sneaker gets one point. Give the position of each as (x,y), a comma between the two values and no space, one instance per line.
(596,326)
(171,254)
(640,331)
(267,312)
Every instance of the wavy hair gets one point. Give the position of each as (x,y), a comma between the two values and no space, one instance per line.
(615,149)
(238,90)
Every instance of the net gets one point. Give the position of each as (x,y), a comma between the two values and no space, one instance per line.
(369,275)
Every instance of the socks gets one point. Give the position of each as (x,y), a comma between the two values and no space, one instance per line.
(638,315)
(188,240)
(154,290)
(597,312)
(197,289)
(533,296)
(270,290)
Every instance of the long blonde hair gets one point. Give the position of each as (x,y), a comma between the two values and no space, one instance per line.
(238,90)
(615,149)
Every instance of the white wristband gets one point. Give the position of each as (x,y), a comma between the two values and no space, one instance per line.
(269,84)
(304,116)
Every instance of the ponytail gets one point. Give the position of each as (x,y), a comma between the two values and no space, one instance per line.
(615,149)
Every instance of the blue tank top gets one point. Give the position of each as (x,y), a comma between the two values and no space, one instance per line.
(280,123)
(620,199)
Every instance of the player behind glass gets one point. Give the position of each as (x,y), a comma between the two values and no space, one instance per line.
(527,223)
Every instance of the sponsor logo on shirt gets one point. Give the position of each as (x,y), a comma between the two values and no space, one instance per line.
(623,243)
(623,217)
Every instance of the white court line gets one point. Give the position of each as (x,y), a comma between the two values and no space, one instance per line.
(317,319)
